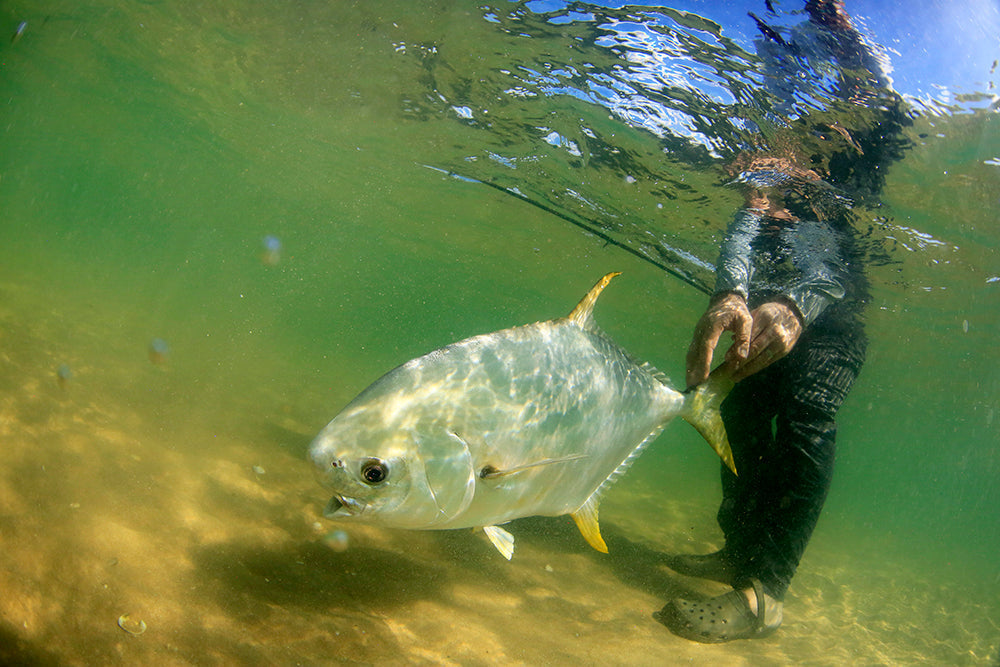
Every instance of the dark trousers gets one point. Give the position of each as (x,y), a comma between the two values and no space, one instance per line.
(781,427)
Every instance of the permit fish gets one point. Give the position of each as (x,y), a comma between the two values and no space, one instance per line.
(536,420)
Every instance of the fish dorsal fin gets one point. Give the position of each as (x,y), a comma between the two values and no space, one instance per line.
(586,521)
(657,374)
(501,539)
(583,314)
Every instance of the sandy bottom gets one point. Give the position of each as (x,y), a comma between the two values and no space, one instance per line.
(112,504)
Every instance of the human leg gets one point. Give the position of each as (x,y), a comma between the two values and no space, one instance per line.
(747,415)
(795,482)
(769,511)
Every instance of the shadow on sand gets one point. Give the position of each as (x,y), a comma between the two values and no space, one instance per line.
(304,599)
(309,576)
(635,564)
(14,650)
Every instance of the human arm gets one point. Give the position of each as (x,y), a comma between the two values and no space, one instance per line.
(771,330)
(760,337)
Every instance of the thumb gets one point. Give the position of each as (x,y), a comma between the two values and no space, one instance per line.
(742,335)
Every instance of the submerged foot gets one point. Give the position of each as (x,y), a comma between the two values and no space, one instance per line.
(738,614)
(715,566)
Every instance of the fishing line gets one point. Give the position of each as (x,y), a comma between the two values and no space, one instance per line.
(592,228)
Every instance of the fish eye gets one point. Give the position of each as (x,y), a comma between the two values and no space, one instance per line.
(374,471)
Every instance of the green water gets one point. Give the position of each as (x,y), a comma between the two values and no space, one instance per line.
(146,149)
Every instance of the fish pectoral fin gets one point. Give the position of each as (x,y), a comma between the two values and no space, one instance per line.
(586,521)
(501,539)
(492,472)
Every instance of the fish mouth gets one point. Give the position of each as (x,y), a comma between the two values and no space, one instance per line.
(341,506)
(332,507)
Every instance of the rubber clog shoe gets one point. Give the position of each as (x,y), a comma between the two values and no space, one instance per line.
(723,618)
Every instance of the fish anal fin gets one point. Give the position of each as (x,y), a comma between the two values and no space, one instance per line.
(583,313)
(586,521)
(501,539)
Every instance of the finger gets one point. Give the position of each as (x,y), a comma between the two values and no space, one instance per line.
(759,328)
(726,368)
(698,362)
(742,328)
(735,355)
(699,356)
(775,338)
(761,333)
(757,348)
(742,335)
(759,361)
(753,365)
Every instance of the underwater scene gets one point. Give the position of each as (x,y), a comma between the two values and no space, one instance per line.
(222,221)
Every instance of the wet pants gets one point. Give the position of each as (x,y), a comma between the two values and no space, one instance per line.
(781,427)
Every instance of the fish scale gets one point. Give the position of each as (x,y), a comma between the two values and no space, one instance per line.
(533,420)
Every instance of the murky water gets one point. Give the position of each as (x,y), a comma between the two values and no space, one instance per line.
(433,171)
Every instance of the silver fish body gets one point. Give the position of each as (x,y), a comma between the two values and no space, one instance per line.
(533,420)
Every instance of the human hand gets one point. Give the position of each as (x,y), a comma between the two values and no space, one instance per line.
(775,330)
(730,313)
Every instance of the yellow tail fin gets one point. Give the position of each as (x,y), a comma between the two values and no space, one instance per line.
(701,410)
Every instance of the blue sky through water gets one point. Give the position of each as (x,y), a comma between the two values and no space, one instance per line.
(938,48)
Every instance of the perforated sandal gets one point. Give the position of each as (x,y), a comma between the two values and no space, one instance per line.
(720,619)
